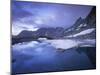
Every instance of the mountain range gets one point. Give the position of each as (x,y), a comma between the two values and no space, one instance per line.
(83,28)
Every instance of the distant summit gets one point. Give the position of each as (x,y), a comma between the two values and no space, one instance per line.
(84,26)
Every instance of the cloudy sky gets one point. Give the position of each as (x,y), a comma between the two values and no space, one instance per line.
(34,15)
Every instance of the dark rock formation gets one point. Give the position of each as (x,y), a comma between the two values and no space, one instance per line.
(83,24)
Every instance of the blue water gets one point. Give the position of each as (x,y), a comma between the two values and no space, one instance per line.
(33,57)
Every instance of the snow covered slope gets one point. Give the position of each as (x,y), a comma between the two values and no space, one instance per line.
(84,28)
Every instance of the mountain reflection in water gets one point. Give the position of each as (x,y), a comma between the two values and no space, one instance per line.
(32,57)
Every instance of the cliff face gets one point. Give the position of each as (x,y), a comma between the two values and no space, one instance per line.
(91,18)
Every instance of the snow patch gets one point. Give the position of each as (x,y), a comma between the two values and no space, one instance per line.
(42,39)
(67,44)
(63,44)
(78,29)
(85,25)
(81,25)
(87,31)
(25,45)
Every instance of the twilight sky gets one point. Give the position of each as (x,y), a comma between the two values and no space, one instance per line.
(34,15)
